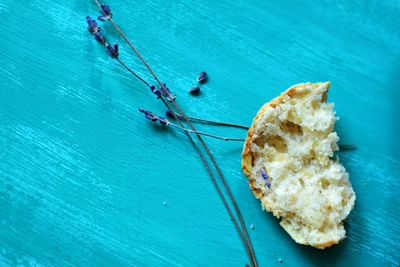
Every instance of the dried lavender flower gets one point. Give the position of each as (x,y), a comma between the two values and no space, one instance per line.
(167,93)
(169,114)
(153,117)
(202,78)
(92,25)
(148,114)
(100,38)
(195,90)
(165,90)
(265,176)
(112,50)
(155,91)
(106,11)
(163,121)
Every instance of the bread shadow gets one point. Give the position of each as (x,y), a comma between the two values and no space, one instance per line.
(331,256)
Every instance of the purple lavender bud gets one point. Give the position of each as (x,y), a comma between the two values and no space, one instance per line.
(148,114)
(112,50)
(169,114)
(92,25)
(195,90)
(202,78)
(265,176)
(165,90)
(163,121)
(150,117)
(167,93)
(153,117)
(155,91)
(100,38)
(106,11)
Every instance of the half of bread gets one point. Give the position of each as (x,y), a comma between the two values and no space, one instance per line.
(288,158)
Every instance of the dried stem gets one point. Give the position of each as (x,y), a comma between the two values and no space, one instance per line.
(194,119)
(243,235)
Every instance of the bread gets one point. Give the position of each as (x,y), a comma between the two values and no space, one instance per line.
(288,158)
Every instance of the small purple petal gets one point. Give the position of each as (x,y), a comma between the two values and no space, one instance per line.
(165,90)
(169,114)
(202,78)
(155,91)
(99,37)
(153,117)
(195,90)
(112,50)
(265,176)
(92,25)
(150,116)
(105,10)
(163,121)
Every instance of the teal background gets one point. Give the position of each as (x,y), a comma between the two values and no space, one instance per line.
(82,185)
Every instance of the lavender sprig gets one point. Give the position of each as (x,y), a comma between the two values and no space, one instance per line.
(113,52)
(239,226)
(107,16)
(164,121)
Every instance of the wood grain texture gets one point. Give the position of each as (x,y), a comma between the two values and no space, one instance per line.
(82,185)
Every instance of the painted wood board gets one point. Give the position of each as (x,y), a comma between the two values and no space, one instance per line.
(83,185)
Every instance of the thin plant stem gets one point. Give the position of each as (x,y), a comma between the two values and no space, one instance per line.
(178,115)
(213,179)
(217,187)
(194,119)
(246,239)
(132,72)
(191,131)
(209,135)
(236,207)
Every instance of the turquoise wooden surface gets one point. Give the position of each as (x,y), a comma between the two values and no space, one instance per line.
(82,185)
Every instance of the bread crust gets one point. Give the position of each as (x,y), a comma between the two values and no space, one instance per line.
(247,156)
